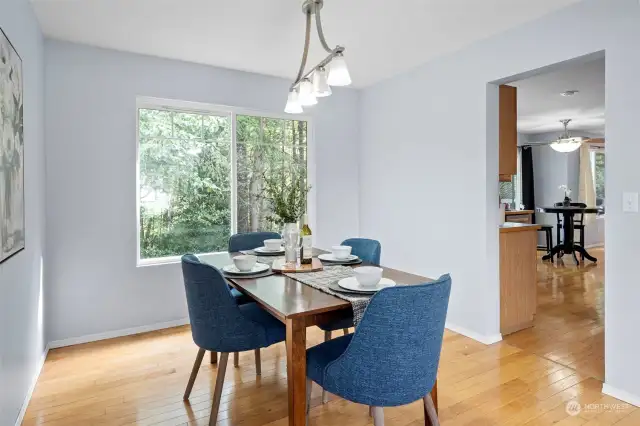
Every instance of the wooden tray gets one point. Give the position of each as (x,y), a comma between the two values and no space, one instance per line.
(282,267)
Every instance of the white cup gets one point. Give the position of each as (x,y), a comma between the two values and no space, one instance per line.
(273,245)
(341,252)
(368,276)
(245,262)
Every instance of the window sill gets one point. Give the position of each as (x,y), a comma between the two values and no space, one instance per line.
(169,260)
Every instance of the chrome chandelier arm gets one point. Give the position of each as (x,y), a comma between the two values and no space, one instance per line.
(307,36)
(323,41)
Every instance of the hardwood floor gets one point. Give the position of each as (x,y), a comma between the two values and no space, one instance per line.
(569,325)
(526,380)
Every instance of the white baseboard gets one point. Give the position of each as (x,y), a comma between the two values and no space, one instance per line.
(482,338)
(34,381)
(621,395)
(116,333)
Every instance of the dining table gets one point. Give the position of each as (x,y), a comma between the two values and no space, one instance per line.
(299,306)
(569,246)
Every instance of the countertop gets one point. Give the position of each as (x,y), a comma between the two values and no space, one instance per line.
(512,212)
(518,227)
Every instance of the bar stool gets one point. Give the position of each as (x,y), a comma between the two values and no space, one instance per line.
(548,231)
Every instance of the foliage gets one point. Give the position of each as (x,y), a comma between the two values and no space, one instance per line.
(11,151)
(185,177)
(287,192)
(599,177)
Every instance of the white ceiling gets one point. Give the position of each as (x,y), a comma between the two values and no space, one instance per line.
(382,37)
(540,106)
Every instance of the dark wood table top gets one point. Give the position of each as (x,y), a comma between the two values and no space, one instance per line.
(571,209)
(285,297)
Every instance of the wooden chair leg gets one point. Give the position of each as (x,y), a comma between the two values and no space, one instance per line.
(582,243)
(430,413)
(378,416)
(194,373)
(309,384)
(214,357)
(345,331)
(258,364)
(325,397)
(222,368)
(236,359)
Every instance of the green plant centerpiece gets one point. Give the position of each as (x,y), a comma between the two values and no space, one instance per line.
(287,192)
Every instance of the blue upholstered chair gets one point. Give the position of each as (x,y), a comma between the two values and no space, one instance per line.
(241,242)
(392,358)
(250,240)
(219,324)
(369,251)
(247,241)
(366,249)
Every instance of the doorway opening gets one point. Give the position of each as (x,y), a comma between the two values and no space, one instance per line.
(559,184)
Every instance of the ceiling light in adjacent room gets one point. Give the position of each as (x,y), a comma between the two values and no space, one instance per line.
(566,143)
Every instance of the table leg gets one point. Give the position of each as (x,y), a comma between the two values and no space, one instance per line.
(568,232)
(584,253)
(556,250)
(297,370)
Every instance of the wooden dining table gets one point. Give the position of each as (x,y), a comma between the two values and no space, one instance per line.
(299,306)
(568,245)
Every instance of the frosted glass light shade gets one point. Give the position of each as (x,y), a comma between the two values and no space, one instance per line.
(566,145)
(320,86)
(306,96)
(338,72)
(293,104)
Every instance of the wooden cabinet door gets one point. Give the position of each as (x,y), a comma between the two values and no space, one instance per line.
(508,117)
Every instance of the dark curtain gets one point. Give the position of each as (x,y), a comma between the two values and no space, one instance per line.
(528,198)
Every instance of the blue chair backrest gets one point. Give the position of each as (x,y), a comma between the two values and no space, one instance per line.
(366,249)
(216,321)
(250,240)
(393,356)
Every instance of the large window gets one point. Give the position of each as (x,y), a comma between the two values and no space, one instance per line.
(511,192)
(205,173)
(597,167)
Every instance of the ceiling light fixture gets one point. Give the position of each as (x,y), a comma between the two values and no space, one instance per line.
(331,71)
(566,143)
(569,93)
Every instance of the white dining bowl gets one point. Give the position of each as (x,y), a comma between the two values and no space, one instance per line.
(341,252)
(273,244)
(245,262)
(368,276)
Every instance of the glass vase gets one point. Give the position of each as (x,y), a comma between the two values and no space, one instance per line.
(291,236)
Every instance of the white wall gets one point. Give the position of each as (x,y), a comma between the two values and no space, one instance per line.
(22,339)
(91,195)
(430,152)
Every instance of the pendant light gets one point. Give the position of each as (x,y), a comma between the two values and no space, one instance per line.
(306,96)
(293,103)
(339,74)
(565,143)
(331,71)
(320,86)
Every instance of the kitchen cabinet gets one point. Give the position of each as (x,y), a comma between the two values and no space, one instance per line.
(508,133)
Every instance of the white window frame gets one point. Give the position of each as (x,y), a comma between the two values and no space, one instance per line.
(145,102)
